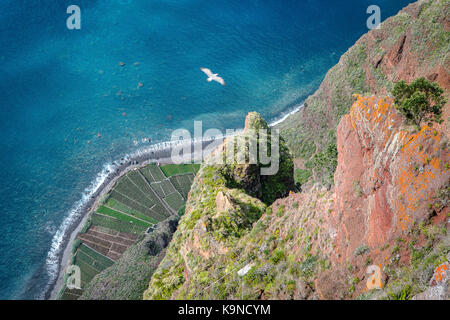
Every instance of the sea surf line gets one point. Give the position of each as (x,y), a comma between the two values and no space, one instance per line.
(285,116)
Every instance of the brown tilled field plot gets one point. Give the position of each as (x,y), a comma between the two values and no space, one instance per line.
(108,242)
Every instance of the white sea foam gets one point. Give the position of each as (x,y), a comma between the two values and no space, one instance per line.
(285,116)
(57,248)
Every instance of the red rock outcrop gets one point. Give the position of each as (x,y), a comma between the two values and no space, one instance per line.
(386,178)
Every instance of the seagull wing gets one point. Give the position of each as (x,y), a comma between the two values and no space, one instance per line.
(219,80)
(207,72)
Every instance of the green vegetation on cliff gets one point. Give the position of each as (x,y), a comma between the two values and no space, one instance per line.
(269,187)
(419,101)
(282,251)
(428,247)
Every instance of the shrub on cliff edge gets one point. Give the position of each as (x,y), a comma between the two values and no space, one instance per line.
(419,101)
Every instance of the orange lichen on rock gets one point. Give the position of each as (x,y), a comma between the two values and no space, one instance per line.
(386,177)
(422,175)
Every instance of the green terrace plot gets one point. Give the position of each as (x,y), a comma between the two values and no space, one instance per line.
(133,204)
(182,183)
(115,224)
(167,187)
(70,294)
(158,189)
(175,201)
(119,206)
(146,173)
(93,258)
(140,181)
(152,173)
(126,187)
(135,191)
(175,169)
(163,188)
(91,263)
(140,220)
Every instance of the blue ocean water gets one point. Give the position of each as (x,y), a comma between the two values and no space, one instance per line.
(60,88)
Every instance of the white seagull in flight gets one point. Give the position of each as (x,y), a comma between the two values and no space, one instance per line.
(213,76)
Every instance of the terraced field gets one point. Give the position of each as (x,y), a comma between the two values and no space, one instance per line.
(153,173)
(175,201)
(90,262)
(177,169)
(115,224)
(182,183)
(138,219)
(108,242)
(138,200)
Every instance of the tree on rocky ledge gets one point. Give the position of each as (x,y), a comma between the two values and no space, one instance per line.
(419,101)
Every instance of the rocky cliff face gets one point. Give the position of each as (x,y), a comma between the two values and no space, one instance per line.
(388,182)
(412,44)
(387,178)
(387,205)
